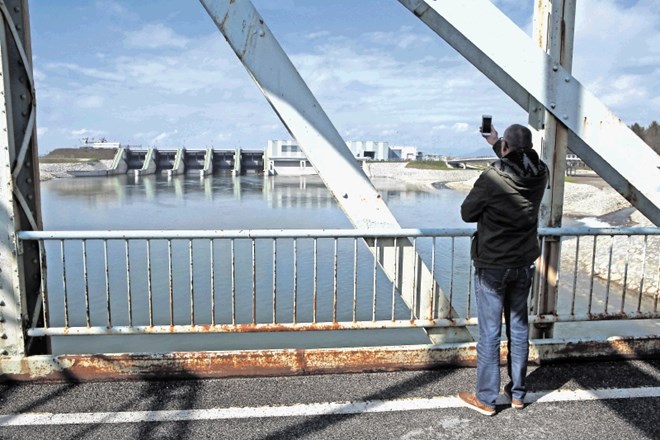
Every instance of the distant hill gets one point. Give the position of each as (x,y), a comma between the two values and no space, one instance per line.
(481,152)
(76,154)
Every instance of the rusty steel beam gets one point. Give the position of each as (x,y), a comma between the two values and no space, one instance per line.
(261,363)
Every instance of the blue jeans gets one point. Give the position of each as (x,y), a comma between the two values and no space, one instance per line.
(502,291)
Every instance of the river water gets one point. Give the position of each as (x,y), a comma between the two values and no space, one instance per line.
(243,202)
(220,202)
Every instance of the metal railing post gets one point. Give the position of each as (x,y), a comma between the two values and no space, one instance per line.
(21,270)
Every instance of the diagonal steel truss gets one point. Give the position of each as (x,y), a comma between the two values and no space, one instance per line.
(302,115)
(529,75)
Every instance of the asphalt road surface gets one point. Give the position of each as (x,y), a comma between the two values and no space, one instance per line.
(606,400)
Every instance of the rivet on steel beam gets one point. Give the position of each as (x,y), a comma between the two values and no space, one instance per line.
(262,33)
(553,105)
(567,79)
(4,352)
(555,68)
(565,116)
(18,27)
(3,336)
(345,196)
(17,9)
(23,96)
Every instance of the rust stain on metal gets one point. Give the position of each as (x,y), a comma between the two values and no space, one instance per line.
(540,37)
(288,362)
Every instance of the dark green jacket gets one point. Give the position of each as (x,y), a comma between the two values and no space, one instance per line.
(505,204)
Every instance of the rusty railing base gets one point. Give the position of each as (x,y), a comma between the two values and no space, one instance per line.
(288,362)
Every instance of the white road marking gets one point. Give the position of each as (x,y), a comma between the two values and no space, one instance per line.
(313,409)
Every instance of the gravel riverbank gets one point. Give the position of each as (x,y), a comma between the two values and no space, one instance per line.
(592,199)
(48,171)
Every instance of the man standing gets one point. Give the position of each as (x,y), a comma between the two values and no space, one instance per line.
(505,204)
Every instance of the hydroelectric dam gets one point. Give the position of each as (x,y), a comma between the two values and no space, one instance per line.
(175,161)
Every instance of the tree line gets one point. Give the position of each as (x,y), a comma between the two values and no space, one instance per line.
(650,134)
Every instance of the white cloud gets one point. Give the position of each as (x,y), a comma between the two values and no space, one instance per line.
(317,35)
(617,56)
(401,38)
(155,36)
(93,101)
(112,7)
(406,86)
(84,132)
(161,137)
(93,73)
(461,127)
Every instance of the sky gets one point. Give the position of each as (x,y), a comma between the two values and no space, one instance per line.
(159,73)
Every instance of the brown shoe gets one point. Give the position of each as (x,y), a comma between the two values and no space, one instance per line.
(470,400)
(515,403)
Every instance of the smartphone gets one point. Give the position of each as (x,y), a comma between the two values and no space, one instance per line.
(486,124)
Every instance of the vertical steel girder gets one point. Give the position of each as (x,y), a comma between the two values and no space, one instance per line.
(554,25)
(302,115)
(508,57)
(20,265)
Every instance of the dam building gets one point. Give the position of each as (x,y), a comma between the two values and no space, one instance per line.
(174,161)
(286,158)
(283,157)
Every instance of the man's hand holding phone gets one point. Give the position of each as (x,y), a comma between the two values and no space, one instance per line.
(487,129)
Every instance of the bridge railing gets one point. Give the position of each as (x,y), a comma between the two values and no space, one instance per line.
(143,282)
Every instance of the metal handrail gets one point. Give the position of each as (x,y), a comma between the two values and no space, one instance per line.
(310,233)
(136,268)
